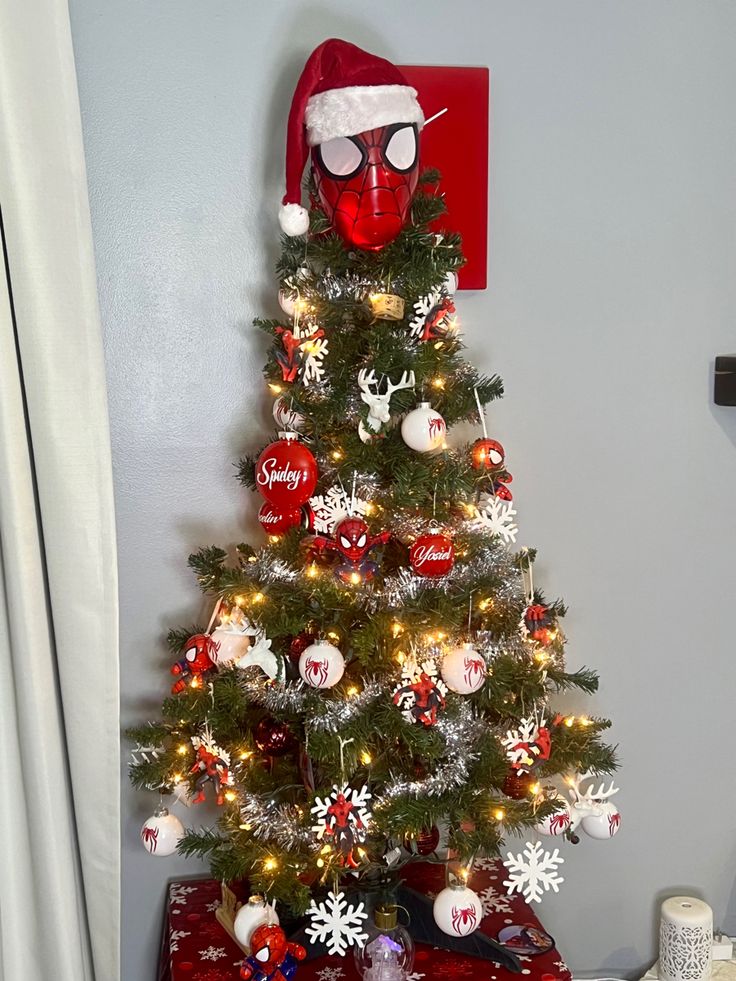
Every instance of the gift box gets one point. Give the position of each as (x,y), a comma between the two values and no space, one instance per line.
(196,947)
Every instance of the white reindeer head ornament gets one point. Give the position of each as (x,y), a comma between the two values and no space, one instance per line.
(591,809)
(379,403)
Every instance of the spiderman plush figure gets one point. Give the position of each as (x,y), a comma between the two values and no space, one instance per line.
(273,957)
(200,656)
(361,120)
(354,542)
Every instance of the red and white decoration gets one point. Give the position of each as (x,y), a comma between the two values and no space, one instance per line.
(528,745)
(421,693)
(285,417)
(197,948)
(592,810)
(286,472)
(432,555)
(361,119)
(423,429)
(342,819)
(458,911)
(330,508)
(250,916)
(321,665)
(161,833)
(277,520)
(555,824)
(464,670)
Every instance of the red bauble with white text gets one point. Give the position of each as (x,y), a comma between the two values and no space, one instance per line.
(275,520)
(286,473)
(432,555)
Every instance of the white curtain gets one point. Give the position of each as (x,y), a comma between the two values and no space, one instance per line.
(59,740)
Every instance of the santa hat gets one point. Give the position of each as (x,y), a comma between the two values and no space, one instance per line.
(342,91)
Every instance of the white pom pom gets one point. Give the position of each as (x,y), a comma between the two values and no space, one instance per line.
(294,219)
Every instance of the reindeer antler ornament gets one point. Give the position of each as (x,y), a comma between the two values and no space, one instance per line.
(379,403)
(591,808)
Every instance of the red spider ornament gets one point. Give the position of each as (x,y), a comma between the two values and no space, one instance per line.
(273,957)
(353,541)
(200,656)
(366,183)
(361,120)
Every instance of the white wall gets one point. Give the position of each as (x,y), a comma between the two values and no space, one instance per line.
(613,245)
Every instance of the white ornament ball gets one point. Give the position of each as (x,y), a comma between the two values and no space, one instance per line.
(555,824)
(451,283)
(233,644)
(458,911)
(464,670)
(287,302)
(161,833)
(253,914)
(286,417)
(603,825)
(321,665)
(423,429)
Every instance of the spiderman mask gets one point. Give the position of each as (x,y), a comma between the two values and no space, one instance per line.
(366,183)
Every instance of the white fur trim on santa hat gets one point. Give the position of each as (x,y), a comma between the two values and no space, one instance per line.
(294,219)
(356,108)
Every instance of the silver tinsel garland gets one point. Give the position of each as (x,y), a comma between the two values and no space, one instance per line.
(276,823)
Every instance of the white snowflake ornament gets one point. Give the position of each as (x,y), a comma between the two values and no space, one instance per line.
(336,923)
(421,693)
(527,745)
(432,316)
(533,872)
(329,509)
(343,818)
(314,350)
(497,517)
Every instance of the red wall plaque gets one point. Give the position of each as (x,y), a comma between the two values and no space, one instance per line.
(457,145)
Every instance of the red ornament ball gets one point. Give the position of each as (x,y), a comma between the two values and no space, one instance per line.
(286,473)
(276,521)
(432,555)
(427,840)
(487,454)
(273,738)
(300,643)
(517,786)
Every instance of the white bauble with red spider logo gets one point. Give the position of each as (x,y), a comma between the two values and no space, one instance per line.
(423,429)
(321,665)
(161,833)
(285,417)
(603,824)
(457,911)
(555,824)
(286,472)
(464,670)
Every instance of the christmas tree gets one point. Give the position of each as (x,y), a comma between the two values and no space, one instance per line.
(375,683)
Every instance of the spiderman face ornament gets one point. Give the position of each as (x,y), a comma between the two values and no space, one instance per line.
(366,183)
(354,543)
(273,957)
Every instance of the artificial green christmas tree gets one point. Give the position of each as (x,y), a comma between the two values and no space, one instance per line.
(375,685)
